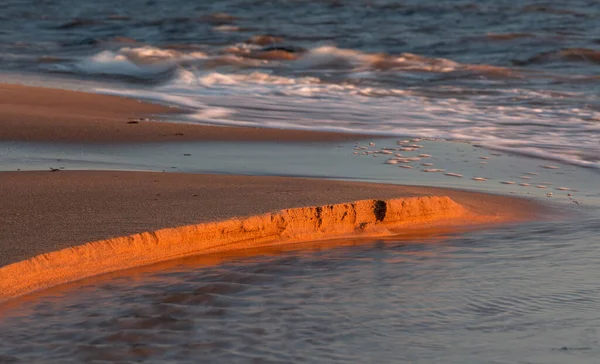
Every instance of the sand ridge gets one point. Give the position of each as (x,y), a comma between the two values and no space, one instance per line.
(47,211)
(365,217)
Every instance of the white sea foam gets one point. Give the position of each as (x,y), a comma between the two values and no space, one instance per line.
(147,60)
(130,61)
(282,100)
(227,28)
(330,57)
(110,63)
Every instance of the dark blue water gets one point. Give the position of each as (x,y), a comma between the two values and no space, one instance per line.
(518,75)
(528,33)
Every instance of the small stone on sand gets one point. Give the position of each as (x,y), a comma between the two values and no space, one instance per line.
(405,166)
(551,167)
(479,179)
(508,182)
(453,175)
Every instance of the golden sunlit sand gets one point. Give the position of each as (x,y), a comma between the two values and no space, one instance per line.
(368,217)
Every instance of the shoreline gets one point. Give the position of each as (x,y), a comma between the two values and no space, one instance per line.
(39,114)
(95,222)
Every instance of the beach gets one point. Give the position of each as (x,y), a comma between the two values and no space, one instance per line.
(282,182)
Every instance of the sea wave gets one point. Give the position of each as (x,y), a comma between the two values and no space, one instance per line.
(335,58)
(519,125)
(137,62)
(145,61)
(330,88)
(576,55)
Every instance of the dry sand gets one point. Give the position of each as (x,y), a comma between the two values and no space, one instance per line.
(52,115)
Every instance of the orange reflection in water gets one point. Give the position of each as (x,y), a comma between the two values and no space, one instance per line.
(133,276)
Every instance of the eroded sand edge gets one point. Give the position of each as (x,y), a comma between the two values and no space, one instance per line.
(365,217)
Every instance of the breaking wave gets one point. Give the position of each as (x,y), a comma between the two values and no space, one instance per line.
(136,62)
(510,120)
(262,83)
(145,61)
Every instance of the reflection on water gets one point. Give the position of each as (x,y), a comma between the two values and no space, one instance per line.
(515,294)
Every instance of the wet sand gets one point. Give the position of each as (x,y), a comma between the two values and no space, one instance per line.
(52,115)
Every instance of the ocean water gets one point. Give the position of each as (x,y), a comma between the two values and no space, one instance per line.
(519,294)
(504,95)
(519,76)
(434,163)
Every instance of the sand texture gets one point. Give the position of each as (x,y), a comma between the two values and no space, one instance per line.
(52,115)
(138,218)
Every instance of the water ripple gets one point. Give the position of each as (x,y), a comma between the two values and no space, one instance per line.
(525,294)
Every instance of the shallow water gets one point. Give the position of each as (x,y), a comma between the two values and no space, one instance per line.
(457,164)
(521,76)
(524,294)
